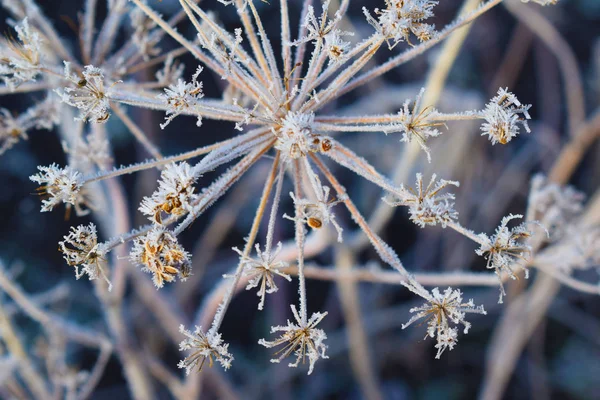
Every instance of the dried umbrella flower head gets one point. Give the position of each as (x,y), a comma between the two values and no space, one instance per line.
(426,206)
(182,97)
(261,271)
(506,249)
(400,18)
(88,94)
(174,194)
(441,310)
(203,346)
(159,253)
(82,250)
(416,123)
(503,115)
(301,338)
(60,185)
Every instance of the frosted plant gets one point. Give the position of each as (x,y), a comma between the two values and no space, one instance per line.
(20,59)
(174,194)
(286,112)
(503,115)
(82,250)
(60,185)
(441,310)
(262,271)
(182,97)
(159,253)
(506,249)
(202,347)
(301,338)
(89,151)
(426,205)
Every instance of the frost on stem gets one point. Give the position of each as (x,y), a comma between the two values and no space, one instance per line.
(262,271)
(203,346)
(182,97)
(304,340)
(503,115)
(296,136)
(400,18)
(440,310)
(505,249)
(44,115)
(80,248)
(88,94)
(416,125)
(427,206)
(60,185)
(174,194)
(159,253)
(20,59)
(555,206)
(318,213)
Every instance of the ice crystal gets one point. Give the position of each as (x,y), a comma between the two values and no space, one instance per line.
(82,250)
(59,185)
(506,249)
(159,253)
(88,94)
(174,194)
(203,346)
(262,271)
(303,339)
(182,97)
(426,205)
(439,312)
(503,114)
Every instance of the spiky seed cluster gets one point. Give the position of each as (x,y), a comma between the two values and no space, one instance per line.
(159,253)
(88,94)
(303,339)
(426,205)
(174,194)
(203,347)
(503,114)
(335,46)
(182,97)
(143,39)
(20,59)
(400,18)
(59,185)
(89,151)
(262,271)
(80,249)
(296,136)
(555,206)
(416,124)
(440,310)
(317,214)
(506,249)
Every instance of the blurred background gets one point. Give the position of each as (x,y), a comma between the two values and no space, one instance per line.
(561,360)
